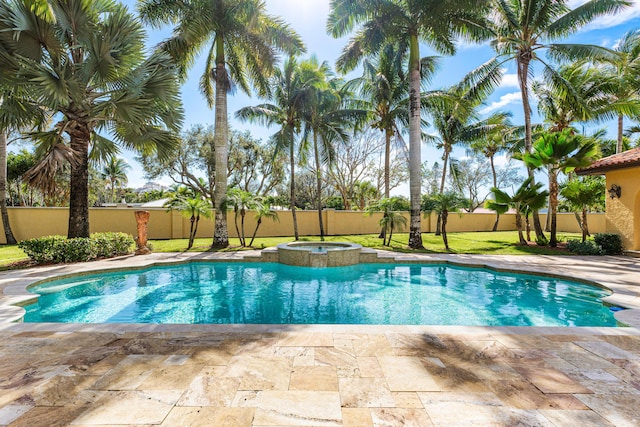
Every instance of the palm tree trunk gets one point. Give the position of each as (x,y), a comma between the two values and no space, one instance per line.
(553,205)
(318,184)
(221,148)
(293,184)
(619,147)
(8,234)
(445,160)
(495,185)
(519,227)
(243,213)
(79,186)
(523,73)
(191,232)
(445,214)
(255,231)
(415,160)
(387,171)
(585,227)
(235,222)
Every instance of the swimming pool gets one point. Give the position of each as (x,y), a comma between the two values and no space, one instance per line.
(272,293)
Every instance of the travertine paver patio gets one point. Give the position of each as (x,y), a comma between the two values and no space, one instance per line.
(323,375)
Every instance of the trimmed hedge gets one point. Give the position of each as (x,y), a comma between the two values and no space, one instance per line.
(57,249)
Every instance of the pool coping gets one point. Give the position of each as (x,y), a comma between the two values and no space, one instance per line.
(619,274)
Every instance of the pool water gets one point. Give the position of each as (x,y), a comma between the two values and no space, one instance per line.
(388,294)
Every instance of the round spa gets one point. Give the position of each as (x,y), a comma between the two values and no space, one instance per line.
(319,254)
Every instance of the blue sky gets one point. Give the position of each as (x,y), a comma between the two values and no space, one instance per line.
(308,18)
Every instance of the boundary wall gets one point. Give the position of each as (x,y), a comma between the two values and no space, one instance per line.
(28,222)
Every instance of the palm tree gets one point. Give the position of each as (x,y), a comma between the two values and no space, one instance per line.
(497,140)
(263,210)
(583,194)
(242,41)
(406,23)
(87,67)
(391,219)
(384,94)
(326,119)
(291,90)
(242,201)
(622,71)
(8,234)
(523,28)
(559,152)
(528,197)
(442,204)
(456,121)
(115,172)
(363,193)
(192,208)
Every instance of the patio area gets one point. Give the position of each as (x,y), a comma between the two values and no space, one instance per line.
(324,375)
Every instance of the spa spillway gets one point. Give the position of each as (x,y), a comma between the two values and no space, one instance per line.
(319,254)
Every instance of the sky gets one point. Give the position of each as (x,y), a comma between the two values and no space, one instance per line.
(308,18)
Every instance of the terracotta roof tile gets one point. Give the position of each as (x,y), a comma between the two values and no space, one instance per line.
(627,159)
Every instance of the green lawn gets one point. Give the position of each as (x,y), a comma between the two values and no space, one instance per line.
(500,242)
(497,243)
(11,254)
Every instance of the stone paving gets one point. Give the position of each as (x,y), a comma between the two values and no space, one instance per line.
(323,375)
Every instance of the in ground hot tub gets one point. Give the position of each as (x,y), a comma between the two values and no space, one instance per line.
(319,254)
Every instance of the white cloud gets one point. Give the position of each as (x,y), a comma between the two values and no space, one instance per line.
(506,99)
(608,21)
(509,80)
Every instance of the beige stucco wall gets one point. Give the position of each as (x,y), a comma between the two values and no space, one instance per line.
(623,214)
(27,223)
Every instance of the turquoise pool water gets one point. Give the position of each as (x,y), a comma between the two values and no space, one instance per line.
(387,294)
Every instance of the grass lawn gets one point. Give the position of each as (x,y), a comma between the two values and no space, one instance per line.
(11,254)
(497,243)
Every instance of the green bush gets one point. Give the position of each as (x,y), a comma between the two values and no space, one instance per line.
(43,249)
(57,249)
(77,250)
(609,243)
(112,244)
(542,240)
(579,247)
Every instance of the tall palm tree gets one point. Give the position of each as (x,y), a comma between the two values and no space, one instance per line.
(384,93)
(406,23)
(622,70)
(87,66)
(456,121)
(326,118)
(559,152)
(292,87)
(497,140)
(523,28)
(242,42)
(115,172)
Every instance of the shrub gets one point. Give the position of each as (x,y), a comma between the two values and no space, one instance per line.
(56,249)
(112,244)
(76,250)
(43,249)
(609,243)
(542,240)
(579,247)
